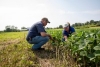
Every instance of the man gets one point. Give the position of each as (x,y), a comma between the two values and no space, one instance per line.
(37,34)
(68,30)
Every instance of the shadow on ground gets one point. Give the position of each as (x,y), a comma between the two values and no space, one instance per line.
(45,54)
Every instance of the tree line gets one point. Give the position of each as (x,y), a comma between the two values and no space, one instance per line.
(90,23)
(10,28)
(87,24)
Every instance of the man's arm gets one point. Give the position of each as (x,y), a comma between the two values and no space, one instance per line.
(42,31)
(45,34)
(65,37)
(73,31)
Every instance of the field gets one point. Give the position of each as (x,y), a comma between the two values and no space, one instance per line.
(81,50)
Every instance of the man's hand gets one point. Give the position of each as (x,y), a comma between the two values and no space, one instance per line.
(50,37)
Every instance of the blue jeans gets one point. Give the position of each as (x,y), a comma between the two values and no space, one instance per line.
(38,41)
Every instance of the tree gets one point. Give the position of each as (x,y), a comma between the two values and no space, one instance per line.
(60,26)
(24,29)
(98,24)
(87,23)
(11,29)
(92,22)
(7,28)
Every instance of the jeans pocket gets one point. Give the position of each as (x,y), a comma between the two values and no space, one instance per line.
(34,40)
(30,42)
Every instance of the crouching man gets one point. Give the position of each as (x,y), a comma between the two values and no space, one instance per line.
(37,34)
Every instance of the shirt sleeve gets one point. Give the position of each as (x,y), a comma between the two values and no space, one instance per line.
(64,33)
(73,30)
(40,28)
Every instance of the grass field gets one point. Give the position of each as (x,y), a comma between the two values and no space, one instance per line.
(15,51)
(94,27)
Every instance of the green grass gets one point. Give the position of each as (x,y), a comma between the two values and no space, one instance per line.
(16,54)
(19,54)
(8,36)
(94,28)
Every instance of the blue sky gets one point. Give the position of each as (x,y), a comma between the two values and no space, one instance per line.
(26,12)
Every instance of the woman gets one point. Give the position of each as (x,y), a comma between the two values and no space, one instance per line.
(68,30)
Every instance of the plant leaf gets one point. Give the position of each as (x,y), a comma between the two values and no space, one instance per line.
(83,53)
(91,56)
(97,53)
(97,47)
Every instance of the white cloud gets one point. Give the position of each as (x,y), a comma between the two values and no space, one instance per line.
(26,12)
(20,16)
(92,12)
(61,12)
(70,12)
(41,5)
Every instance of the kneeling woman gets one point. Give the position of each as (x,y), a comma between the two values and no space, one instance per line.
(68,30)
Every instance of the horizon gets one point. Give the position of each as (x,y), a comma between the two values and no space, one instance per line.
(25,13)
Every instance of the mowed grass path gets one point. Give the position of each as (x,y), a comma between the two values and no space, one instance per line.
(18,52)
(15,51)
